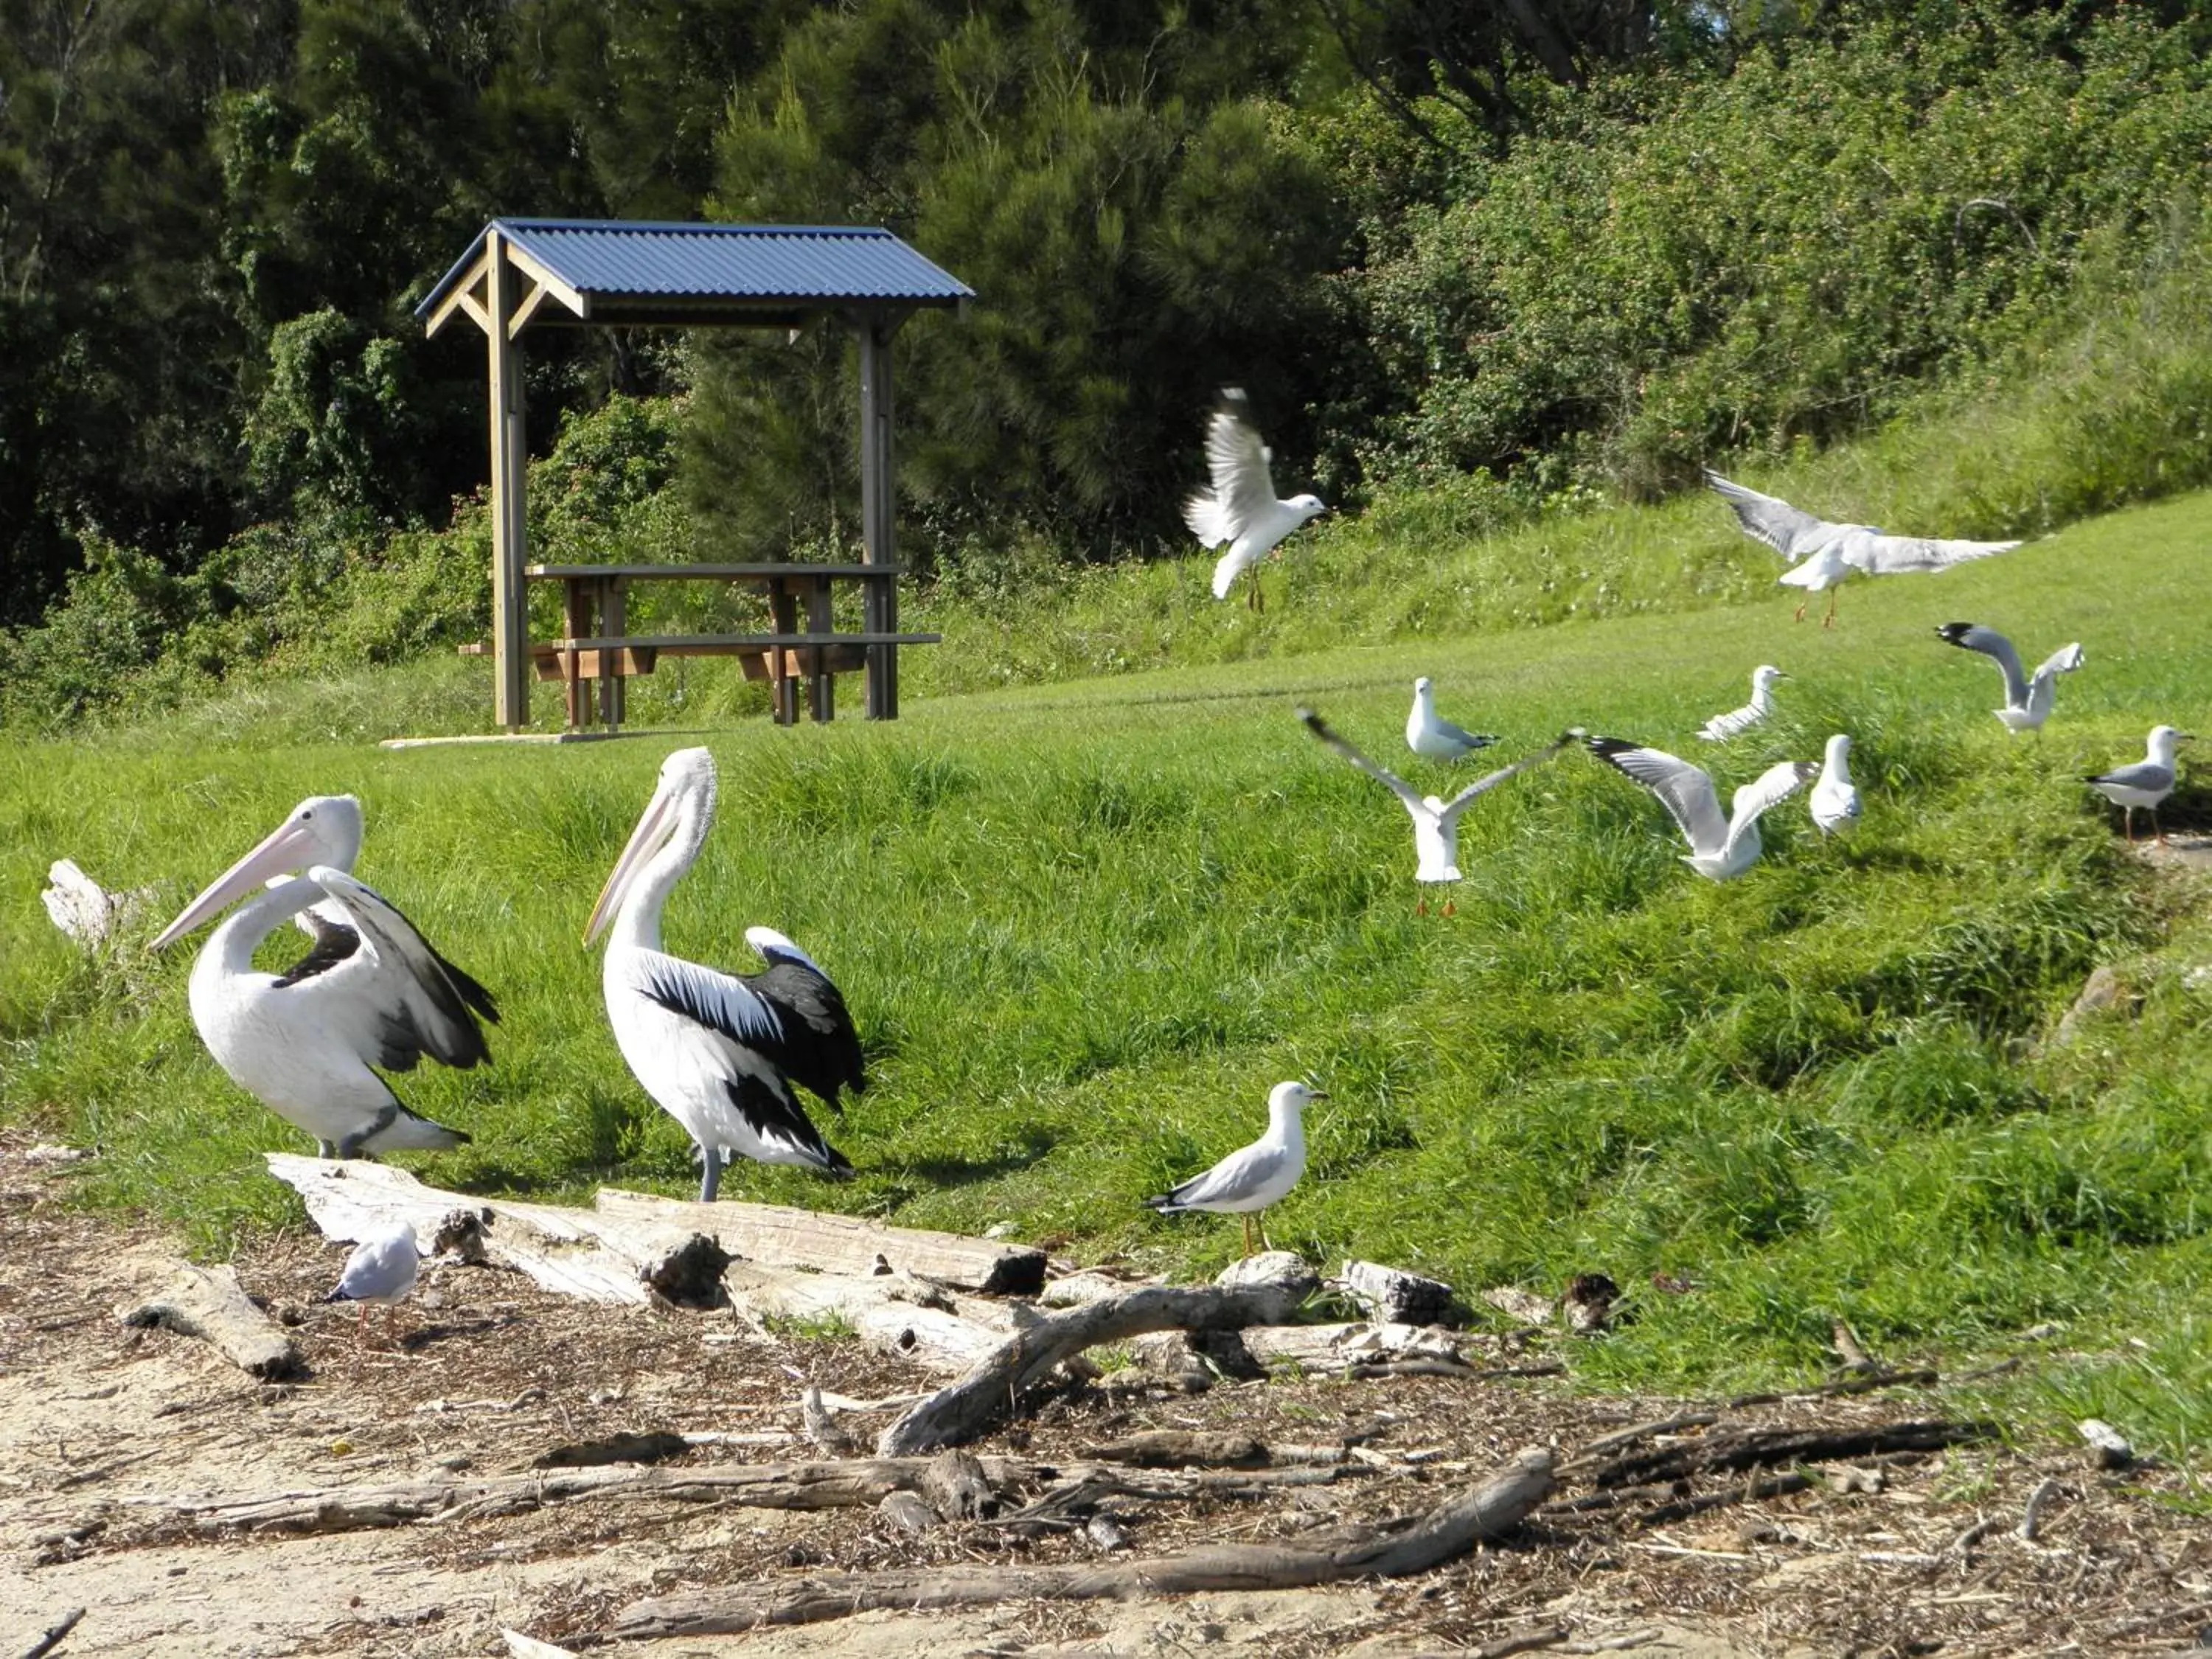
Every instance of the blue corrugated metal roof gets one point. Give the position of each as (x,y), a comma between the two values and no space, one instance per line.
(622,260)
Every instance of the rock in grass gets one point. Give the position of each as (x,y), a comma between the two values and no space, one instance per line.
(1284,1269)
(1393,1297)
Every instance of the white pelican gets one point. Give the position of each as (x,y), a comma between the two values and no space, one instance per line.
(382,1268)
(1239,506)
(717,1052)
(371,992)
(2146,783)
(1720,847)
(2027,700)
(1436,822)
(1835,799)
(1724,726)
(1432,737)
(1825,553)
(1248,1180)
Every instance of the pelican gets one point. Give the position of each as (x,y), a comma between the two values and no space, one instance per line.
(1825,553)
(1720,847)
(717,1052)
(1239,506)
(372,992)
(2147,783)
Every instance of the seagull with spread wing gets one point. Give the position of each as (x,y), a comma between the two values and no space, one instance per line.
(371,992)
(1239,506)
(2028,701)
(1436,821)
(717,1052)
(1822,554)
(1721,847)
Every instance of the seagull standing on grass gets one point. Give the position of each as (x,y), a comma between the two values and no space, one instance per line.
(1239,506)
(2027,702)
(2146,783)
(717,1052)
(1435,823)
(1720,847)
(1761,705)
(1823,553)
(1249,1181)
(1432,737)
(382,1268)
(1835,801)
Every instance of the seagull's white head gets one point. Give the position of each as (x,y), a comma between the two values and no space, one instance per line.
(1425,688)
(1839,752)
(320,829)
(681,807)
(2164,740)
(1287,1100)
(1764,677)
(1306,505)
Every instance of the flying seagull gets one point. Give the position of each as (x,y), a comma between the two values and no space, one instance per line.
(717,1052)
(2146,783)
(2028,701)
(1741,720)
(382,1268)
(1720,847)
(1822,554)
(371,992)
(1239,506)
(1436,822)
(1835,800)
(1432,737)
(1250,1179)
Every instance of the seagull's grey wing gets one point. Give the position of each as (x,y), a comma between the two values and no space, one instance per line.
(1685,790)
(1770,788)
(1460,734)
(1389,780)
(2143,775)
(1790,531)
(1972,636)
(1237,459)
(379,1267)
(391,993)
(1462,800)
(2064,661)
(1238,1176)
(1894,556)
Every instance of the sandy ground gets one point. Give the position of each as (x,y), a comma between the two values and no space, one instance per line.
(103,1429)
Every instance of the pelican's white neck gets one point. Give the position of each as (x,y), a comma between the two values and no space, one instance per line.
(637,923)
(229,951)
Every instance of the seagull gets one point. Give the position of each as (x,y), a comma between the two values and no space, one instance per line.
(1741,720)
(372,992)
(2146,783)
(1239,506)
(1825,553)
(1835,801)
(2027,702)
(85,910)
(1249,1181)
(1435,823)
(1432,737)
(719,1052)
(381,1268)
(1720,847)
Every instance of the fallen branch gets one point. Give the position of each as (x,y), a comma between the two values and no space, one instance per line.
(1489,1510)
(957,1414)
(52,1639)
(1779,1486)
(207,1302)
(1743,1448)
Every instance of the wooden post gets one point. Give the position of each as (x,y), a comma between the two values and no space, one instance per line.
(576,623)
(510,615)
(873,329)
(614,620)
(783,688)
(820,619)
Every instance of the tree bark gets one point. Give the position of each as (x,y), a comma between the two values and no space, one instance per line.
(207,1302)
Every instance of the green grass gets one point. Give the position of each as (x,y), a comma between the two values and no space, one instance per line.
(1085,925)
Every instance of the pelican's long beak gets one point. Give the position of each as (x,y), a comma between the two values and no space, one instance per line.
(651,834)
(290,848)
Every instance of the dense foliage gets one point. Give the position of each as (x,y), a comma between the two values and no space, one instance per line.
(1513,256)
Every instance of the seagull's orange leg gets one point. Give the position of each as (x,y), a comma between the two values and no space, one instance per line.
(1800,616)
(1829,621)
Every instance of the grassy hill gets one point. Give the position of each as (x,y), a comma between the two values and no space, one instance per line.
(1084,925)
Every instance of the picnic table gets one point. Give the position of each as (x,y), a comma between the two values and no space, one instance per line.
(598,648)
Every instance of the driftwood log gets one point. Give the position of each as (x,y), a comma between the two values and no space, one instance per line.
(968,1409)
(1489,1510)
(207,1302)
(1733,1448)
